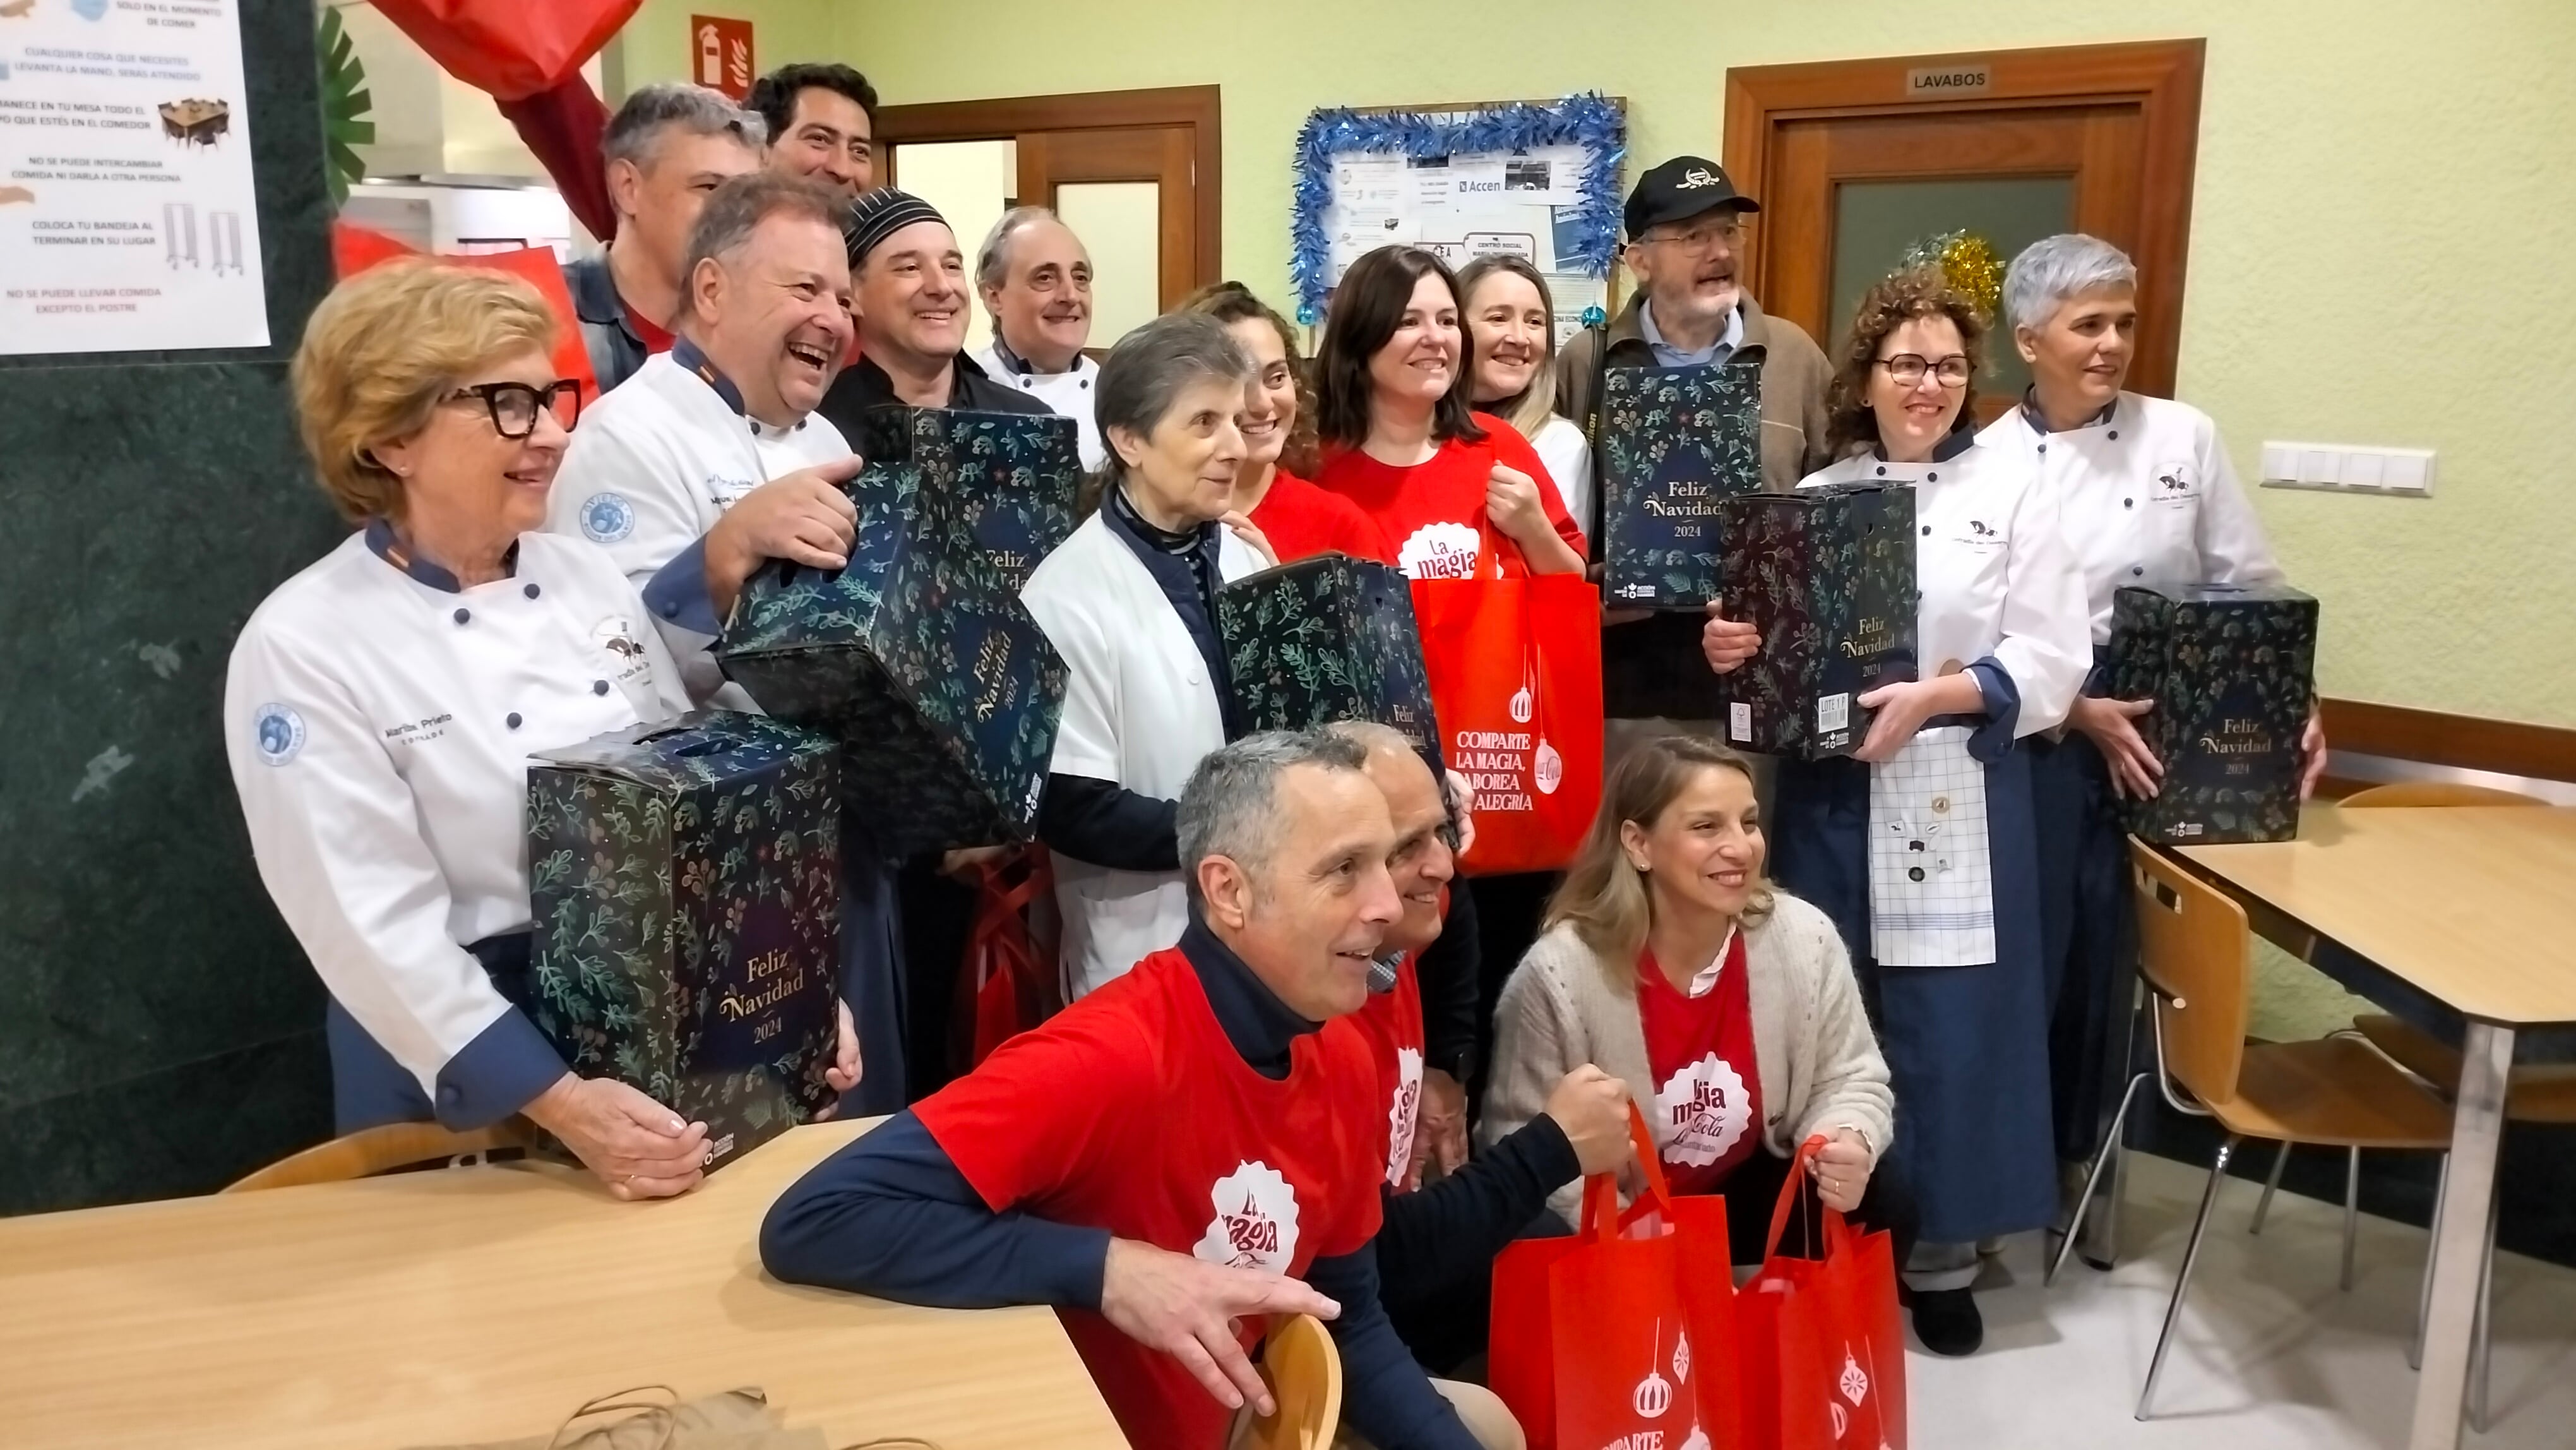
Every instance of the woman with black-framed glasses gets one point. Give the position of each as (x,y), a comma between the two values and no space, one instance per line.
(381,707)
(1923,846)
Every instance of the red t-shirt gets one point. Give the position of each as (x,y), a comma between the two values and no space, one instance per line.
(655,339)
(1130,1111)
(1699,1050)
(1391,1022)
(1433,513)
(1301,520)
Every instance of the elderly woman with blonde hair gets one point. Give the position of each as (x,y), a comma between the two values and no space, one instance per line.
(382,704)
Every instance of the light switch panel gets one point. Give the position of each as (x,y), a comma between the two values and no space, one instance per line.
(2348,469)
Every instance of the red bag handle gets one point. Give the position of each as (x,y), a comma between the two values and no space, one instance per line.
(1836,1236)
(1602,1219)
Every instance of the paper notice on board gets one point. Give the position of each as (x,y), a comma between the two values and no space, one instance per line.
(129,216)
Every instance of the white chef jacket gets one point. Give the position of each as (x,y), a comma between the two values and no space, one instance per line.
(1994,571)
(379,724)
(1074,394)
(2145,495)
(1140,711)
(652,467)
(1560,445)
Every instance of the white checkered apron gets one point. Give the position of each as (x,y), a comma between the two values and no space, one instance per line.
(1931,882)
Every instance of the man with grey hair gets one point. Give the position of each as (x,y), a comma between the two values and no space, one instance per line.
(1035,279)
(710,461)
(668,148)
(1186,1150)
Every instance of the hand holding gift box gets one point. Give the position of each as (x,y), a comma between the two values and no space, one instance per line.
(2228,674)
(1819,619)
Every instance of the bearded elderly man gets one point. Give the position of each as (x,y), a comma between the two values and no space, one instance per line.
(708,462)
(1181,1152)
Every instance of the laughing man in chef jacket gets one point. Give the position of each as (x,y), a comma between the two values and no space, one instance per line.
(381,707)
(1035,279)
(711,460)
(2146,495)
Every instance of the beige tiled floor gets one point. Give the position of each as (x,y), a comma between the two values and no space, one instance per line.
(2270,1355)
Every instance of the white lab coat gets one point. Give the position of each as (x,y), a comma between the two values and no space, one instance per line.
(652,467)
(2145,496)
(379,730)
(1139,710)
(1994,572)
(1074,395)
(1560,445)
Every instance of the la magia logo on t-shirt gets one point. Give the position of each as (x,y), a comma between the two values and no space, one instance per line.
(1700,1112)
(1403,1115)
(1256,1221)
(1440,551)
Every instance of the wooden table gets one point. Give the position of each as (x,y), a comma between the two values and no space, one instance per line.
(2463,921)
(482,1304)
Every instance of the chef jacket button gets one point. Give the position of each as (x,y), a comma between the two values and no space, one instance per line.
(1084,383)
(2043,448)
(1927,531)
(2128,503)
(532,591)
(599,687)
(1940,805)
(1882,470)
(463,614)
(1913,873)
(2140,569)
(2115,435)
(513,721)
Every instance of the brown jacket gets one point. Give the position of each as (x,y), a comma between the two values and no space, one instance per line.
(1794,374)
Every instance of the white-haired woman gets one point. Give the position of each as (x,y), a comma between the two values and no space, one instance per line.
(2145,494)
(1130,602)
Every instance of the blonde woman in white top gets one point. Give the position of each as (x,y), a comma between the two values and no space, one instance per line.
(1512,321)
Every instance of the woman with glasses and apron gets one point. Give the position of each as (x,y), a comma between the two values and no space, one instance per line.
(381,706)
(1922,846)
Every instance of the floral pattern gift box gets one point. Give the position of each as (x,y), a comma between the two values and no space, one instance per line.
(1828,575)
(2231,673)
(1323,639)
(918,656)
(684,881)
(1674,443)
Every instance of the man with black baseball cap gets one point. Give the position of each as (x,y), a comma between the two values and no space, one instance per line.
(1685,233)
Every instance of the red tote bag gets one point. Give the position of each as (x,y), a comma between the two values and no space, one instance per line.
(1823,1365)
(1515,667)
(1007,983)
(1625,1333)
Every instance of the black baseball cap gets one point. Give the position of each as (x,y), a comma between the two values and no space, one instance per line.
(1680,189)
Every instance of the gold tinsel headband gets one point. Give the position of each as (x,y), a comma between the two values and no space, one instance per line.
(1968,261)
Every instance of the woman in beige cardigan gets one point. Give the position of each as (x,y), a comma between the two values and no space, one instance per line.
(1668,961)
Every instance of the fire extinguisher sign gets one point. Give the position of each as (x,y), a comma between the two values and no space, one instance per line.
(720,54)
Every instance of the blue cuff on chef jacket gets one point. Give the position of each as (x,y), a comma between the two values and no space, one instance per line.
(677,592)
(501,1071)
(1993,740)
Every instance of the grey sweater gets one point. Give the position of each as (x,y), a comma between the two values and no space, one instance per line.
(1818,1065)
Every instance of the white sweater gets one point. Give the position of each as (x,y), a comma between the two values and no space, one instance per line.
(1818,1064)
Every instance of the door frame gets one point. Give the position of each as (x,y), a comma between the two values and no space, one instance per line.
(1197,107)
(2161,77)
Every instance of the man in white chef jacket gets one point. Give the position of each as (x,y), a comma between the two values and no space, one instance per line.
(710,460)
(1035,279)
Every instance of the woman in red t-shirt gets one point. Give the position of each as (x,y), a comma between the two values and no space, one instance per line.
(1458,493)
(1278,425)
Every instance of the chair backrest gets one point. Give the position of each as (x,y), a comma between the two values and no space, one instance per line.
(371,1151)
(2195,950)
(2435,793)
(1304,1373)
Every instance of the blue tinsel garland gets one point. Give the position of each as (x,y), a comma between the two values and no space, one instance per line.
(1586,120)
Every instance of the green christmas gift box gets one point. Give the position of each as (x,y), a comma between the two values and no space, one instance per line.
(1323,639)
(1674,443)
(1828,575)
(918,656)
(2231,673)
(684,880)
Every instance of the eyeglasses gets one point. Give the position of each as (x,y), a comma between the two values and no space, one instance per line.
(1908,368)
(514,406)
(1699,240)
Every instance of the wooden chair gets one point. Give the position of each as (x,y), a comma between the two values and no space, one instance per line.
(2194,952)
(2537,1094)
(1304,1373)
(371,1151)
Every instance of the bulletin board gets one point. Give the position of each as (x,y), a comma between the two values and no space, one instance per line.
(1540,179)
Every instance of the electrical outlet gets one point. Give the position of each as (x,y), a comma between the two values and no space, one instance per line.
(2347,469)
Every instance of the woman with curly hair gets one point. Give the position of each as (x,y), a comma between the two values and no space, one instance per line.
(1278,424)
(1923,845)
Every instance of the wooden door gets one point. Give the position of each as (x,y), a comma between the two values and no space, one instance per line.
(1852,161)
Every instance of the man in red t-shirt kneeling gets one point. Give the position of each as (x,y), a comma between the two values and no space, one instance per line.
(1182,1151)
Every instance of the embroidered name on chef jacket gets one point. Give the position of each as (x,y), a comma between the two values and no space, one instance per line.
(1255,1226)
